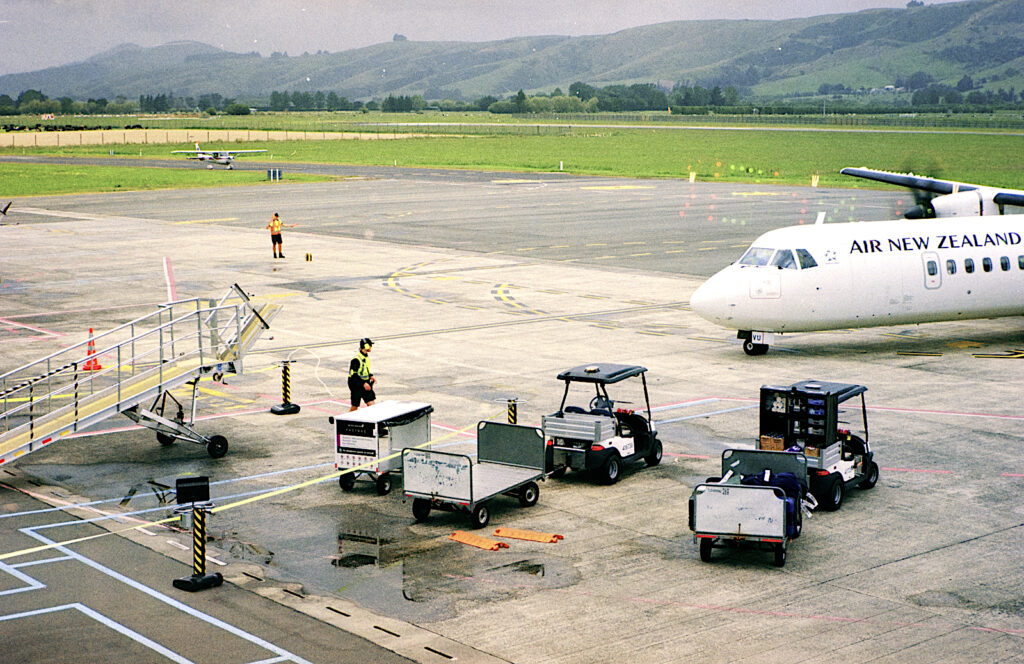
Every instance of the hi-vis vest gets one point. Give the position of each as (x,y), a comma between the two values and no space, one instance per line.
(275,226)
(364,367)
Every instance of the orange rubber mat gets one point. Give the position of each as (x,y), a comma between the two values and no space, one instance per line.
(529,535)
(477,541)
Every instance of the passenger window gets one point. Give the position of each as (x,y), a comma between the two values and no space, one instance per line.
(933,268)
(968,265)
(986,264)
(951,267)
(1020,262)
(757,256)
(784,259)
(806,260)
(1004,263)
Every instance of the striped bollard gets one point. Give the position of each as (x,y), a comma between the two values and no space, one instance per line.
(286,407)
(513,411)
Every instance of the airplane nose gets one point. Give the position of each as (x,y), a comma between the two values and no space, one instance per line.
(708,302)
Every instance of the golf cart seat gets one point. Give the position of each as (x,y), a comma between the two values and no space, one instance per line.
(575,409)
(631,424)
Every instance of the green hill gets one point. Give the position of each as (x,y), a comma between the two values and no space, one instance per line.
(868,49)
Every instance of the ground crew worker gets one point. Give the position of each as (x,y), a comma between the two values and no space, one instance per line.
(275,227)
(360,376)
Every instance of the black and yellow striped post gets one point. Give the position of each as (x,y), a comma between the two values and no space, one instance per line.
(286,407)
(194,493)
(513,411)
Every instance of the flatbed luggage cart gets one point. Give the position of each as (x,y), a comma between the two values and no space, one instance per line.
(374,433)
(751,502)
(510,460)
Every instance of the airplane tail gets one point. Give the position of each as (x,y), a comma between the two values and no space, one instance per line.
(6,208)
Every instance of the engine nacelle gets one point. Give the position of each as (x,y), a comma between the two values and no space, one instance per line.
(972,203)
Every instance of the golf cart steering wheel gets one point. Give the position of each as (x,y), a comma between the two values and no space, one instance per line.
(601,403)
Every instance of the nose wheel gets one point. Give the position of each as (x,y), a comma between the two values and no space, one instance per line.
(750,348)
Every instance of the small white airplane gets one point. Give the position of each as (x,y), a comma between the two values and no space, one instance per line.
(222,157)
(940,265)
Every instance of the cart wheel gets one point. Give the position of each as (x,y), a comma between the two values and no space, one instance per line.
(834,493)
(347,481)
(654,458)
(217,447)
(870,477)
(780,554)
(481,515)
(706,543)
(798,527)
(611,470)
(528,494)
(384,484)
(165,438)
(421,509)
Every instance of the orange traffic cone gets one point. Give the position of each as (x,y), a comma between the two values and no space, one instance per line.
(91,364)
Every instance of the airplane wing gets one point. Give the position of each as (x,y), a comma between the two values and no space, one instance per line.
(910,180)
(240,151)
(1006,198)
(188,151)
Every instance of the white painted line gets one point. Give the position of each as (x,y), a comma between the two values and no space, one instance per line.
(100,618)
(170,601)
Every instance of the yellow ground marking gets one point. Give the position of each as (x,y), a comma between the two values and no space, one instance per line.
(517,181)
(640,242)
(676,251)
(526,249)
(706,248)
(602,258)
(559,246)
(245,501)
(964,344)
(596,244)
(617,186)
(656,334)
(756,193)
(607,327)
(596,297)
(643,254)
(215,393)
(918,354)
(204,221)
(722,341)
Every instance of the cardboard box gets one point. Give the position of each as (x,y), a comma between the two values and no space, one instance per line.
(773,443)
(812,451)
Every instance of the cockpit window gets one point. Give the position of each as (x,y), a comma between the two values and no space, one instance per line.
(806,260)
(784,259)
(757,256)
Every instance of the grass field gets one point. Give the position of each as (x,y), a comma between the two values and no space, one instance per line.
(733,155)
(45,179)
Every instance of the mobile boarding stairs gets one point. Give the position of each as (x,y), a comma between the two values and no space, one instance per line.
(121,370)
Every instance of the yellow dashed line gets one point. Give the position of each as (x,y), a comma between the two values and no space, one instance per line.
(676,251)
(643,254)
(603,258)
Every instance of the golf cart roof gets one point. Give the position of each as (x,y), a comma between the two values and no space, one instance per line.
(843,391)
(604,373)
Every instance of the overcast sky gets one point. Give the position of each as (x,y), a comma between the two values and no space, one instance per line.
(35,34)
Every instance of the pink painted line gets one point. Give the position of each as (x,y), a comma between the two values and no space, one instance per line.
(172,288)
(918,470)
(80,311)
(40,330)
(1011,474)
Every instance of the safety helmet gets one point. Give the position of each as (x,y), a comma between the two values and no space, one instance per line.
(365,342)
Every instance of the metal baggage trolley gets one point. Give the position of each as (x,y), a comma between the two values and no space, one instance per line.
(365,438)
(510,460)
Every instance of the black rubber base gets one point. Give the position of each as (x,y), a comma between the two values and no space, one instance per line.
(285,409)
(198,582)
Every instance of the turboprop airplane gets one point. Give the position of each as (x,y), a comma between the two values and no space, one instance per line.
(222,157)
(863,274)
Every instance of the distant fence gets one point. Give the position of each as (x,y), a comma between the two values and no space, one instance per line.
(159,136)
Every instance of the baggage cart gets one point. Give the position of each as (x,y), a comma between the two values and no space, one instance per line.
(372,434)
(510,460)
(751,503)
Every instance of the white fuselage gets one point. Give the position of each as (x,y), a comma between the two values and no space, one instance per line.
(864,274)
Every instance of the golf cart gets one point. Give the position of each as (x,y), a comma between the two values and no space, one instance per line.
(599,437)
(804,417)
